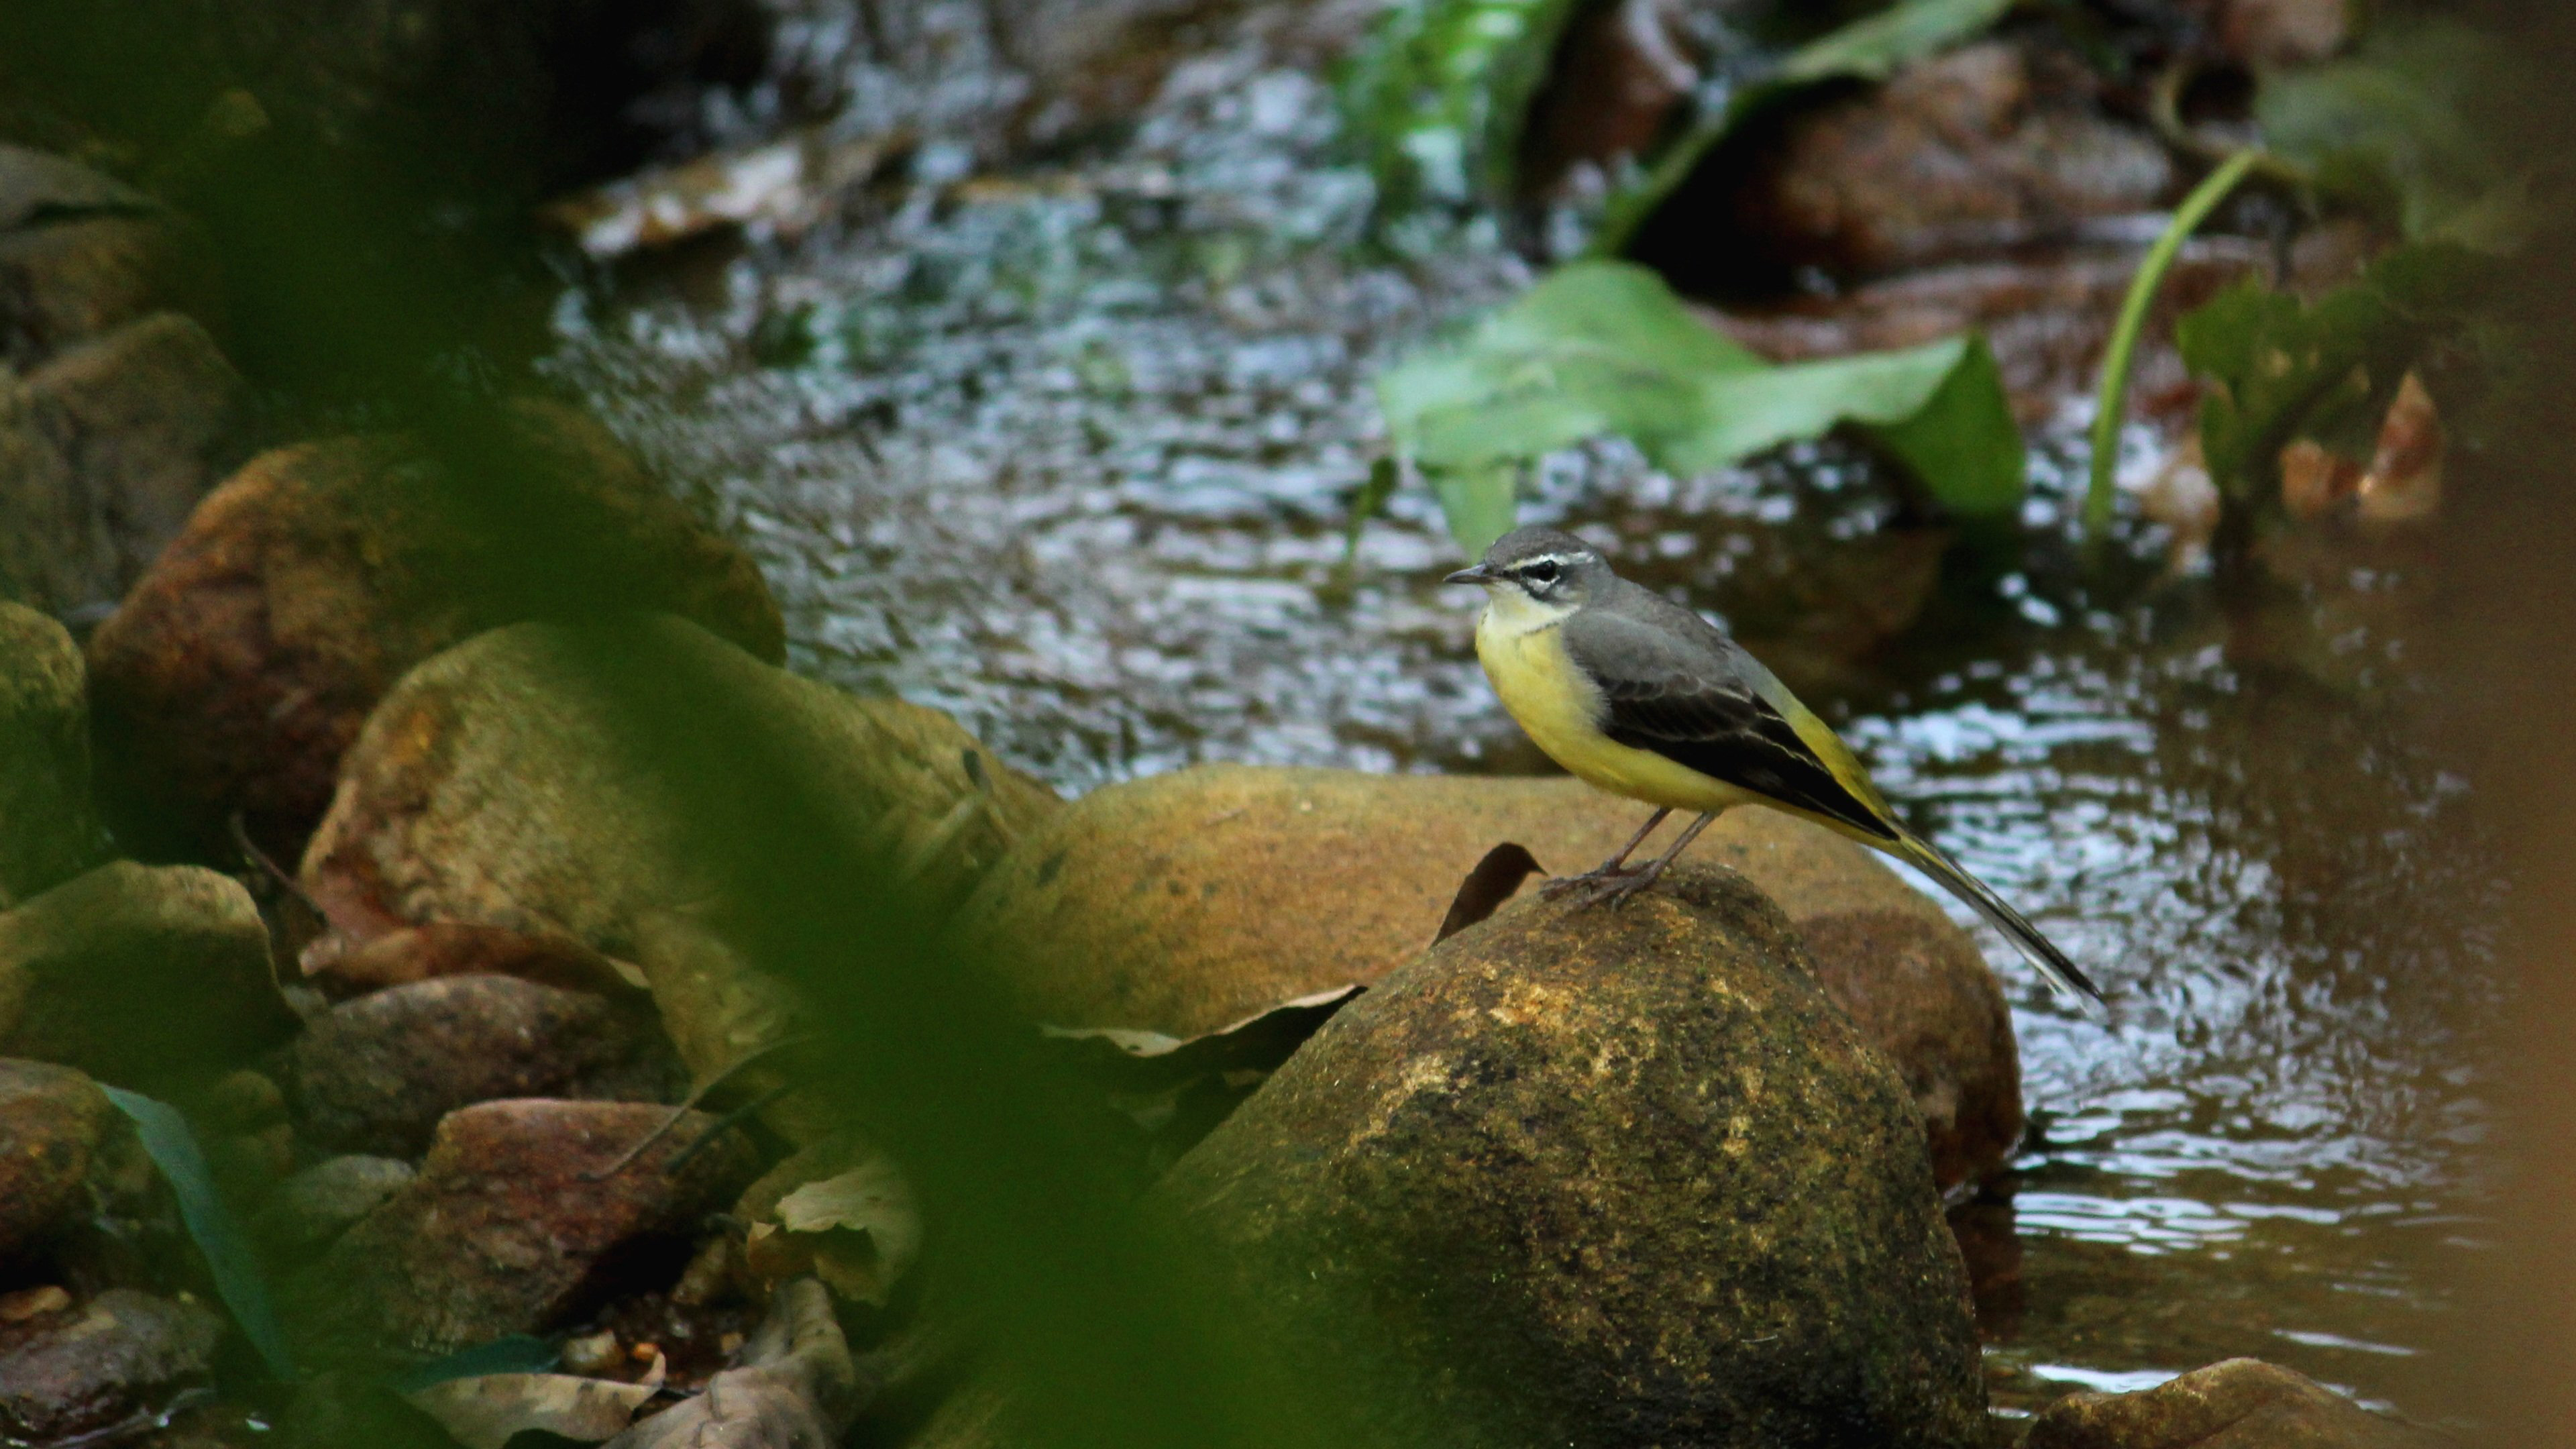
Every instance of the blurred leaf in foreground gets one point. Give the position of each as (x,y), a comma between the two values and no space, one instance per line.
(172,1146)
(1441,90)
(2393,128)
(2282,370)
(1606,348)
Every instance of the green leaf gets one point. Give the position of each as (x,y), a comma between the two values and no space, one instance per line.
(2392,127)
(1606,348)
(1865,50)
(517,1353)
(1440,91)
(2282,370)
(172,1146)
(1480,501)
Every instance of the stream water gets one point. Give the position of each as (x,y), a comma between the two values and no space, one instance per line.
(1068,451)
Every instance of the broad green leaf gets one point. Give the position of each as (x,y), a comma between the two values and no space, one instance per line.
(172,1146)
(1480,502)
(2392,126)
(1605,348)
(1865,50)
(2282,370)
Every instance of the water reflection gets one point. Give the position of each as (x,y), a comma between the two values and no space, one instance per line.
(1069,457)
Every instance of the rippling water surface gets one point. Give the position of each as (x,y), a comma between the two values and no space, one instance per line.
(1069,453)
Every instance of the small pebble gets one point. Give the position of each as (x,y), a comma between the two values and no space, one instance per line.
(730,1344)
(645,1352)
(26,1303)
(595,1354)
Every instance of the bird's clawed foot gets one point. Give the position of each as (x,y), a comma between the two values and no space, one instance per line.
(1610,885)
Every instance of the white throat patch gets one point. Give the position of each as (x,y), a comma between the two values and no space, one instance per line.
(1511,612)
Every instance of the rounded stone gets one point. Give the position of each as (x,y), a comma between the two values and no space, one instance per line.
(1586,1177)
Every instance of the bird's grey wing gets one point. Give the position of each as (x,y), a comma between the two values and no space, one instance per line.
(1694,697)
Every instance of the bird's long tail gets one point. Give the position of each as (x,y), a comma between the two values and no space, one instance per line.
(2025,937)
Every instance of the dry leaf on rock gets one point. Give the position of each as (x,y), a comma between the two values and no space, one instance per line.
(1141,1060)
(865,1226)
(486,1411)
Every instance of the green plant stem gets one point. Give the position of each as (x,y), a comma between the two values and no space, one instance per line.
(2112,407)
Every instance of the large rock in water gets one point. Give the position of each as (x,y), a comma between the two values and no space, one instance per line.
(1184,902)
(46,832)
(2242,1403)
(141,976)
(1596,1178)
(242,665)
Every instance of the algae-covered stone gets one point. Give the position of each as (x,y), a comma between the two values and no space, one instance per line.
(1590,1178)
(139,976)
(1185,902)
(46,833)
(494,786)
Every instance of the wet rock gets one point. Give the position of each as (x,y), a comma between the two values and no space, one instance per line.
(319,1203)
(1960,155)
(52,1119)
(1596,1178)
(795,1385)
(46,831)
(2242,1403)
(1620,75)
(516,1224)
(1187,901)
(120,436)
(139,976)
(376,1073)
(399,957)
(2284,32)
(1927,1002)
(244,662)
(2048,321)
(435,823)
(79,254)
(118,1359)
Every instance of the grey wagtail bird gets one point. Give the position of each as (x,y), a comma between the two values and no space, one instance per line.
(1643,698)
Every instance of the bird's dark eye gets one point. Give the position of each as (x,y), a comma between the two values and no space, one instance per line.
(1541,573)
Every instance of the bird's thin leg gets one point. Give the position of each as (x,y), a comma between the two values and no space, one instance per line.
(1615,865)
(1614,891)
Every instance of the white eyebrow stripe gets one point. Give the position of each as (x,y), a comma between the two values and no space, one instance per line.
(1558,559)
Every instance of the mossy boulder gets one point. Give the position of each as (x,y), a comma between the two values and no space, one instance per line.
(1188,901)
(46,831)
(1582,1177)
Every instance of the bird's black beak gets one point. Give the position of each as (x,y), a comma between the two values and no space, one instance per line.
(1477,575)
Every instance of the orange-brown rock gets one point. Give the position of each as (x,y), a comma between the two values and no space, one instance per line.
(51,1120)
(517,1224)
(243,664)
(1187,901)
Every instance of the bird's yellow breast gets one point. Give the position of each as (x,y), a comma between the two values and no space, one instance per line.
(1561,709)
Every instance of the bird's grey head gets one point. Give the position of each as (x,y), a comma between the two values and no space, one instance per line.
(1547,566)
